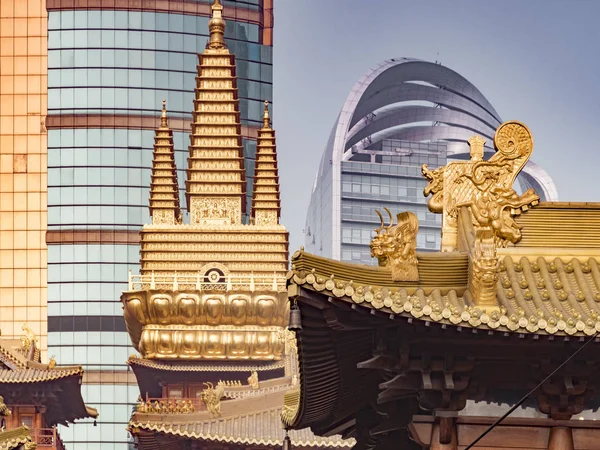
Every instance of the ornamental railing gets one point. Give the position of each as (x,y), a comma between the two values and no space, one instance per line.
(203,282)
(170,406)
(47,438)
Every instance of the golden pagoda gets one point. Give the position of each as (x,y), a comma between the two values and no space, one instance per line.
(489,343)
(208,311)
(213,289)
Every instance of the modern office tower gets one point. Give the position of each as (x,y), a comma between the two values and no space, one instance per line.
(402,114)
(109,68)
(23,153)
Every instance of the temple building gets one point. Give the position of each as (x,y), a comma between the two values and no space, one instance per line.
(36,397)
(208,311)
(430,350)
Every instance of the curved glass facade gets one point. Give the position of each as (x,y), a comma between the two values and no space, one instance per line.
(106,67)
(402,114)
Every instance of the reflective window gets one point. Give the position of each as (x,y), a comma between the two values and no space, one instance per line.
(63,24)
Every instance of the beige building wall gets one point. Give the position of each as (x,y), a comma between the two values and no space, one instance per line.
(23,167)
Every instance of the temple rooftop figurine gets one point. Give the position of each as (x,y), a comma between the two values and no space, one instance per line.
(414,351)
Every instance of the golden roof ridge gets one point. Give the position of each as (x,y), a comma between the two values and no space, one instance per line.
(265,408)
(534,297)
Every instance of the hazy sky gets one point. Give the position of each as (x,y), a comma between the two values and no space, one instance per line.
(537,61)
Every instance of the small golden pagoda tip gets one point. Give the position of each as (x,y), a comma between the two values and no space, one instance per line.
(216,27)
(163,116)
(266,120)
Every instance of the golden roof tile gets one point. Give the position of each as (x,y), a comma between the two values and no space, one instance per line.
(251,420)
(9,356)
(534,295)
(561,225)
(38,375)
(12,439)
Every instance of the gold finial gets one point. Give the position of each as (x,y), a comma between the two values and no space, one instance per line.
(395,246)
(163,117)
(266,120)
(216,27)
(253,380)
(476,143)
(29,338)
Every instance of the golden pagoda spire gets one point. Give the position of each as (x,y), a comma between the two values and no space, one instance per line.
(164,189)
(215,184)
(266,204)
(216,27)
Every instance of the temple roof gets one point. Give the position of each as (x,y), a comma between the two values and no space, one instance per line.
(250,420)
(15,438)
(194,366)
(535,294)
(20,367)
(477,320)
(152,374)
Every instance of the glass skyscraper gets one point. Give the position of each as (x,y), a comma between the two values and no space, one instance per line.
(402,114)
(108,70)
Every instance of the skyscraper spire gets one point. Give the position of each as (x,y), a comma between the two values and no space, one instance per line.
(266,204)
(164,190)
(216,185)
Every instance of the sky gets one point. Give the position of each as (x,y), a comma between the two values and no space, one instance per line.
(536,61)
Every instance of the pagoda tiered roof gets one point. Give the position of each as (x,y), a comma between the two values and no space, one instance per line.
(24,379)
(253,417)
(213,288)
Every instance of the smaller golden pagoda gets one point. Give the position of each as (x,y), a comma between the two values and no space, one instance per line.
(164,189)
(266,202)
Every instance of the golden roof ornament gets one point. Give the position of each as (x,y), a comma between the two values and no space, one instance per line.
(216,27)
(29,338)
(211,397)
(253,380)
(478,203)
(4,410)
(476,144)
(395,246)
(485,187)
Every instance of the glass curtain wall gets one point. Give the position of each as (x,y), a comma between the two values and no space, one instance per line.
(108,71)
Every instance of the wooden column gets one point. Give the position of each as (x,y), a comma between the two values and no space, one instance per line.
(561,438)
(443,434)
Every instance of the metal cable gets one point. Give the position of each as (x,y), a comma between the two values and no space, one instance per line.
(526,396)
